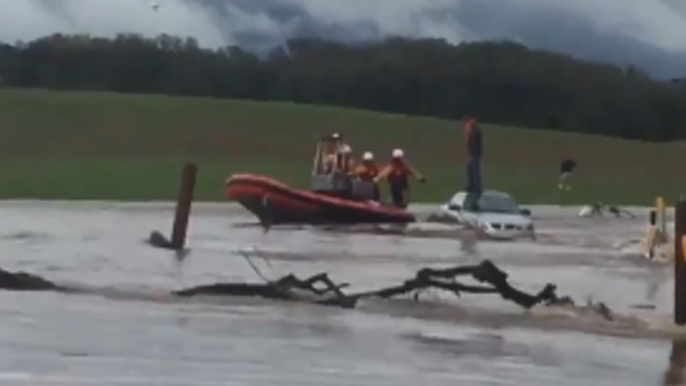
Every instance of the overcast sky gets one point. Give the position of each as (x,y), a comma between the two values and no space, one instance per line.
(649,33)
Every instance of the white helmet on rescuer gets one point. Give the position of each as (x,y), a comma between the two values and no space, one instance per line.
(367,156)
(398,153)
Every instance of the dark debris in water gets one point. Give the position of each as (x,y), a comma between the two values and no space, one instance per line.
(290,287)
(320,289)
(22,281)
(26,236)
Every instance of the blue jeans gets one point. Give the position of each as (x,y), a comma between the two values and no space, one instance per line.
(473,184)
(474,176)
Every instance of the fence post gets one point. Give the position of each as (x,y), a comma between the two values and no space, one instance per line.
(674,375)
(662,216)
(183,206)
(661,221)
(680,263)
(651,236)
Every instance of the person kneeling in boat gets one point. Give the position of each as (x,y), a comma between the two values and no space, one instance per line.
(397,173)
(367,171)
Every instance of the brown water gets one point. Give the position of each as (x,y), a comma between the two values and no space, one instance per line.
(137,336)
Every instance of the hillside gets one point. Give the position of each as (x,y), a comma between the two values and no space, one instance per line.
(116,146)
(499,82)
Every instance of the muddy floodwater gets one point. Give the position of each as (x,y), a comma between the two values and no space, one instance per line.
(130,333)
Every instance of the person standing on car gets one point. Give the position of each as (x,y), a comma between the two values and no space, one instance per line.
(474,146)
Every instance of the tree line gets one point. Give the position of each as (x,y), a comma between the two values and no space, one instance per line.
(500,82)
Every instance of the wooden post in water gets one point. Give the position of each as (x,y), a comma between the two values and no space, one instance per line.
(680,263)
(183,206)
(662,216)
(650,239)
(677,363)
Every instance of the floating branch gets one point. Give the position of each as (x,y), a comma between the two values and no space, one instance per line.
(320,289)
(291,287)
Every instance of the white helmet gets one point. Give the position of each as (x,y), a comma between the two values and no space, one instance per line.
(398,153)
(345,149)
(367,156)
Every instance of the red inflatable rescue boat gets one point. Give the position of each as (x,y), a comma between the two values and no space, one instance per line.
(277,203)
(334,197)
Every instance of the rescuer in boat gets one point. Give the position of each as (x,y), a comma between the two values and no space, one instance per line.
(329,158)
(331,153)
(345,162)
(367,171)
(397,173)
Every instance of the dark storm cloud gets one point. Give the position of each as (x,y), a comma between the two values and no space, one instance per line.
(648,33)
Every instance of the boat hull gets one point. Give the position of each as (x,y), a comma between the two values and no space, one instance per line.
(276,203)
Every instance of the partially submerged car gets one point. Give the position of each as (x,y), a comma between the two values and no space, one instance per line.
(496,214)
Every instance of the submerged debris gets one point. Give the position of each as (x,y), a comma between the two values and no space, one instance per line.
(22,281)
(291,287)
(598,208)
(320,289)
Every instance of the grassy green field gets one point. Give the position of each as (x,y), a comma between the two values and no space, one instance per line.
(56,145)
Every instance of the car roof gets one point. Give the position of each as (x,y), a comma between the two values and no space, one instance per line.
(489,192)
(495,193)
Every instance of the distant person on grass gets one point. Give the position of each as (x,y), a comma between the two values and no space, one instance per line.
(473,141)
(567,166)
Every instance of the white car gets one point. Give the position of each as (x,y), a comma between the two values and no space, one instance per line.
(498,215)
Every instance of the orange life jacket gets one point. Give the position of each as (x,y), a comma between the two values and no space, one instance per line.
(367,171)
(399,173)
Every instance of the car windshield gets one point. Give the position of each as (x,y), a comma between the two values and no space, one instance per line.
(497,204)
